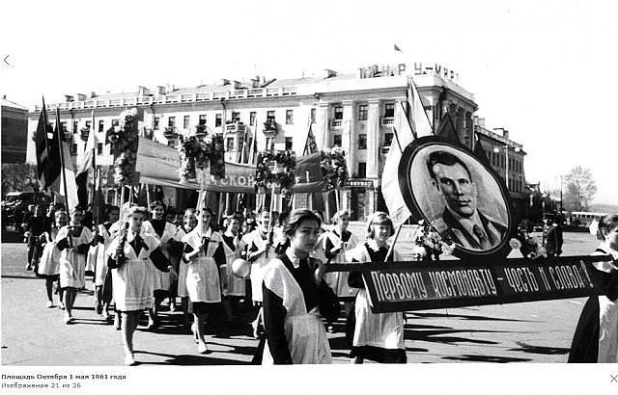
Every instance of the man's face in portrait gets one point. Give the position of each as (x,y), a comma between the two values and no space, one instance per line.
(454,184)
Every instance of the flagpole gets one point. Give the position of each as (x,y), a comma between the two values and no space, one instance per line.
(61,149)
(392,247)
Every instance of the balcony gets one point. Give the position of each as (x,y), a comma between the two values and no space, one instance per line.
(336,123)
(235,127)
(388,121)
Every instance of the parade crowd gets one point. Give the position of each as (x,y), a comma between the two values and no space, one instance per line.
(266,268)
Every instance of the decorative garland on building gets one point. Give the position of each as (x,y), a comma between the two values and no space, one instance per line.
(284,177)
(124,139)
(334,168)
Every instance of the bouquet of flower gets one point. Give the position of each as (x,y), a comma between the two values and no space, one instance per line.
(217,157)
(527,245)
(334,168)
(285,162)
(429,245)
(198,153)
(124,139)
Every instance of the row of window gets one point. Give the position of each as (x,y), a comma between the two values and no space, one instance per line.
(361,142)
(186,120)
(498,159)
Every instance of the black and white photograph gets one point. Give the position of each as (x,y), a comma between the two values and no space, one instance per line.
(197,194)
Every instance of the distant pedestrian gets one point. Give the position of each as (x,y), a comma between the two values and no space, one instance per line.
(554,240)
(49,264)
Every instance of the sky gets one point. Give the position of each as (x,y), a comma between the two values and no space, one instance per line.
(545,70)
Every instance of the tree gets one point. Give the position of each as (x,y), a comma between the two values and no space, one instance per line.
(579,189)
(19,177)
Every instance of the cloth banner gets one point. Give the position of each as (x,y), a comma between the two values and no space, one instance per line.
(158,164)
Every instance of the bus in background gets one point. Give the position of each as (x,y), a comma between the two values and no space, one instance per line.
(584,218)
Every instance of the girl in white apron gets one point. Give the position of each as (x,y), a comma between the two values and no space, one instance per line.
(73,241)
(378,337)
(336,245)
(101,270)
(259,247)
(203,252)
(129,256)
(189,221)
(164,232)
(233,286)
(295,297)
(596,336)
(49,265)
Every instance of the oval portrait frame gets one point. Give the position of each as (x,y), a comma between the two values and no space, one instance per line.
(424,200)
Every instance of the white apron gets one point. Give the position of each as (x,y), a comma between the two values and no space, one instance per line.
(304,331)
(338,281)
(49,264)
(160,280)
(258,266)
(203,274)
(183,267)
(608,317)
(73,264)
(101,269)
(131,283)
(233,285)
(383,330)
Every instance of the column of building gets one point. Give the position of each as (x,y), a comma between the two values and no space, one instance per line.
(322,132)
(373,152)
(347,143)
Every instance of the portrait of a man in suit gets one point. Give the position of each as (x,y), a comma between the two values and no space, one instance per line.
(462,220)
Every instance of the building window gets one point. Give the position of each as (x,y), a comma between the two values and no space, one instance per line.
(289,117)
(270,116)
(362,141)
(235,116)
(230,144)
(75,126)
(362,112)
(202,121)
(288,143)
(337,140)
(64,127)
(101,126)
(338,112)
(185,121)
(362,170)
(252,116)
(99,148)
(88,125)
(115,122)
(389,110)
(157,121)
(217,120)
(388,139)
(312,115)
(171,122)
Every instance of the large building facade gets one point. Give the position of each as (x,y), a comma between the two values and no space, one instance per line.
(354,111)
(13,128)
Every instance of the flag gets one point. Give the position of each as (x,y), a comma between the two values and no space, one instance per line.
(479,152)
(47,156)
(85,162)
(397,49)
(406,129)
(418,117)
(310,145)
(67,188)
(447,129)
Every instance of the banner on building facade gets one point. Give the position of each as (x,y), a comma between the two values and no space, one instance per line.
(159,164)
(409,286)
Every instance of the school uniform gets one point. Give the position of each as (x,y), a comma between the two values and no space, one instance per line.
(203,283)
(132,285)
(255,241)
(49,264)
(596,335)
(338,281)
(164,232)
(73,255)
(183,267)
(234,286)
(378,337)
(293,307)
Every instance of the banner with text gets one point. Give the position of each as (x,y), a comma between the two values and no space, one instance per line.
(402,286)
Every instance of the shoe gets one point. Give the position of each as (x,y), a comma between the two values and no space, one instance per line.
(61,305)
(202,348)
(129,360)
(28,267)
(99,309)
(68,319)
(50,304)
